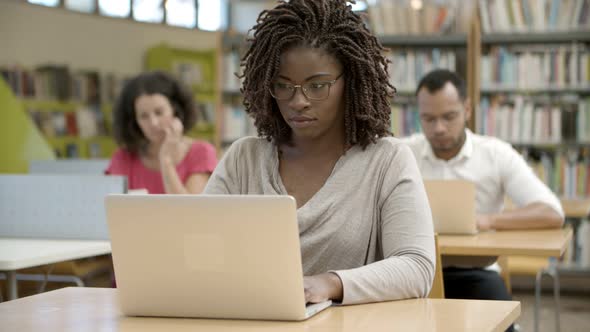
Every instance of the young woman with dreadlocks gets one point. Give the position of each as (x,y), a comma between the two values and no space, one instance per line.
(316,84)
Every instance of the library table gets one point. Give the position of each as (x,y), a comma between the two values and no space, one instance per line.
(545,243)
(97,309)
(17,253)
(576,207)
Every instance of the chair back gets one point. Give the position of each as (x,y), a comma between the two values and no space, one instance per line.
(438,287)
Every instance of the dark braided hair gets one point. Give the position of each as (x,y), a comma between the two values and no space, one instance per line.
(332,26)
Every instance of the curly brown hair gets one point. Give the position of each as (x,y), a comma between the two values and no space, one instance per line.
(332,26)
(126,131)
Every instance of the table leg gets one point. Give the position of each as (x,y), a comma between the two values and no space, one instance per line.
(11,285)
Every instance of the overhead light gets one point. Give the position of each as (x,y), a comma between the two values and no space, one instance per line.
(359,6)
(416,4)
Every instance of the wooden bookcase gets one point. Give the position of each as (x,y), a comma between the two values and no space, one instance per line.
(59,119)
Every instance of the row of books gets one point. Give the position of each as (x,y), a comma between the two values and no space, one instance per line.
(85,122)
(534,15)
(523,121)
(401,17)
(407,67)
(567,172)
(558,66)
(405,120)
(56,82)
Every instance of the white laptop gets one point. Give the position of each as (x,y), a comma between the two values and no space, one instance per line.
(453,206)
(233,257)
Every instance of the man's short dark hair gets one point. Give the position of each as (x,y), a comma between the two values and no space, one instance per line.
(436,80)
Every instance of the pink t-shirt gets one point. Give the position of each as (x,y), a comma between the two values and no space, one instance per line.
(201,158)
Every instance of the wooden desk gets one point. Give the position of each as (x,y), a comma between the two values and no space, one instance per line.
(546,243)
(16,254)
(576,207)
(96,309)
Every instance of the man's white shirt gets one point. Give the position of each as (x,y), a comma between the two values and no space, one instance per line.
(496,169)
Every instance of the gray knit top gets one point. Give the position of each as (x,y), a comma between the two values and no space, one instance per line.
(370,222)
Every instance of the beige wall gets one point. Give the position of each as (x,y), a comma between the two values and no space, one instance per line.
(32,35)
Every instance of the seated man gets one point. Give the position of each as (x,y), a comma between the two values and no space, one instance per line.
(448,150)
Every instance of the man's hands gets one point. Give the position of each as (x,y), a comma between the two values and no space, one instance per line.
(485,222)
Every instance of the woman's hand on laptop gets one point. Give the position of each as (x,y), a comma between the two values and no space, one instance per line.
(322,287)
(484,222)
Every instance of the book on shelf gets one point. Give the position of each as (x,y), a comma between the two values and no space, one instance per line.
(59,83)
(112,86)
(400,17)
(522,119)
(90,122)
(506,16)
(86,87)
(52,82)
(530,67)
(84,122)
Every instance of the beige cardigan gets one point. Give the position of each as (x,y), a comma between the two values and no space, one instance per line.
(370,222)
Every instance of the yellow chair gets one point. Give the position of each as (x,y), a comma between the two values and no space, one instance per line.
(438,286)
(537,267)
(532,266)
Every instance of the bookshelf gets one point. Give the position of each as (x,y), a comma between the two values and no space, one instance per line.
(436,34)
(235,122)
(527,68)
(535,88)
(200,71)
(71,109)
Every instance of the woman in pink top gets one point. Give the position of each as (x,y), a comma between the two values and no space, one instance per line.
(150,118)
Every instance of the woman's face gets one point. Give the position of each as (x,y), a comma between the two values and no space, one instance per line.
(320,74)
(153,114)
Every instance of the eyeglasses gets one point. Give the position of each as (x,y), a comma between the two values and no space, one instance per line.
(311,90)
